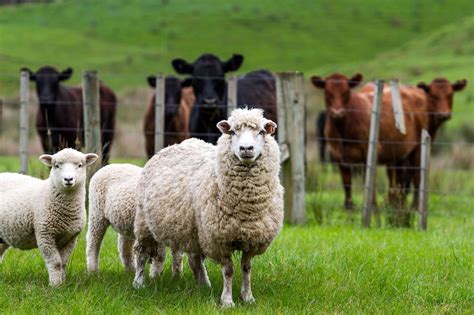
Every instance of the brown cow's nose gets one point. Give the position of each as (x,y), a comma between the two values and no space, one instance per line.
(337,112)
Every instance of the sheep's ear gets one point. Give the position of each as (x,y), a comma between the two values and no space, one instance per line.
(46,159)
(91,158)
(270,127)
(224,126)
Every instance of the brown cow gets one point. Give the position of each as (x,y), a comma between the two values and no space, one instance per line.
(348,124)
(59,120)
(179,99)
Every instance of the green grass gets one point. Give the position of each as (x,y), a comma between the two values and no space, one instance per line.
(335,267)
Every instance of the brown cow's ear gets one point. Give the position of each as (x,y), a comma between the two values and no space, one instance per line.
(187,82)
(270,127)
(151,80)
(318,81)
(66,74)
(182,66)
(423,86)
(234,63)
(224,127)
(460,85)
(356,80)
(32,75)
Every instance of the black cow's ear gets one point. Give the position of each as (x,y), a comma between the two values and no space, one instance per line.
(32,75)
(423,86)
(66,74)
(182,66)
(151,80)
(187,82)
(234,63)
(355,80)
(318,81)
(459,85)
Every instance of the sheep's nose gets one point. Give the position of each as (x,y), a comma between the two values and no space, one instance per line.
(246,148)
(68,180)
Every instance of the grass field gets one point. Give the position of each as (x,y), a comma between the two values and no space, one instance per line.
(330,268)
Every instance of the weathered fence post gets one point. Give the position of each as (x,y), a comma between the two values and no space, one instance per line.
(90,94)
(231,95)
(159,112)
(424,182)
(291,117)
(24,100)
(397,107)
(371,167)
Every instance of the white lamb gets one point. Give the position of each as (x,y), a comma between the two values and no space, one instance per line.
(112,201)
(210,200)
(46,214)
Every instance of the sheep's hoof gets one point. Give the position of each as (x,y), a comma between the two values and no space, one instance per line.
(227,303)
(247,298)
(138,284)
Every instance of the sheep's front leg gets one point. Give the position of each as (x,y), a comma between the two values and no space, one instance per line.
(66,251)
(125,247)
(3,249)
(52,259)
(141,256)
(246,290)
(227,273)
(177,267)
(196,263)
(157,260)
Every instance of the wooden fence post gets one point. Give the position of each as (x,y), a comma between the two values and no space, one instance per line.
(231,95)
(291,116)
(397,107)
(424,182)
(159,112)
(24,100)
(371,167)
(90,94)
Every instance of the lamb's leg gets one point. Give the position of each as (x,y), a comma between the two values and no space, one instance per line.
(125,247)
(177,267)
(95,234)
(52,259)
(157,260)
(3,249)
(196,263)
(227,273)
(65,252)
(246,290)
(141,255)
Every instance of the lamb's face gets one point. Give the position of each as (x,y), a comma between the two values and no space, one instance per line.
(247,140)
(68,167)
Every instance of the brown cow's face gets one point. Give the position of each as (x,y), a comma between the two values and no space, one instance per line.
(47,83)
(337,92)
(440,98)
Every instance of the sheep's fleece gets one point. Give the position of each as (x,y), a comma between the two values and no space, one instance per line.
(48,214)
(199,198)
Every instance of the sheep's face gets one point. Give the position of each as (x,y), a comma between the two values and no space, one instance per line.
(247,140)
(68,167)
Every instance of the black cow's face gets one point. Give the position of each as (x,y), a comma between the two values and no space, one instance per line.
(208,76)
(47,83)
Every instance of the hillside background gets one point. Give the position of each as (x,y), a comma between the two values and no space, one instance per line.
(128,40)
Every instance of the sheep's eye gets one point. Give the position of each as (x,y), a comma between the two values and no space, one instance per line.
(262,132)
(80,165)
(56,165)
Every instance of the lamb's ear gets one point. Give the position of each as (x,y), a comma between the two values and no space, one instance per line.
(46,159)
(459,85)
(65,74)
(270,127)
(91,158)
(424,87)
(318,81)
(224,126)
(182,66)
(151,80)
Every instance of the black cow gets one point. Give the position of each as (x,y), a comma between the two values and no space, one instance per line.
(256,89)
(59,120)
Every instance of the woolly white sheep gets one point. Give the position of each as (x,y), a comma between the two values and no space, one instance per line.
(210,200)
(46,214)
(112,201)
